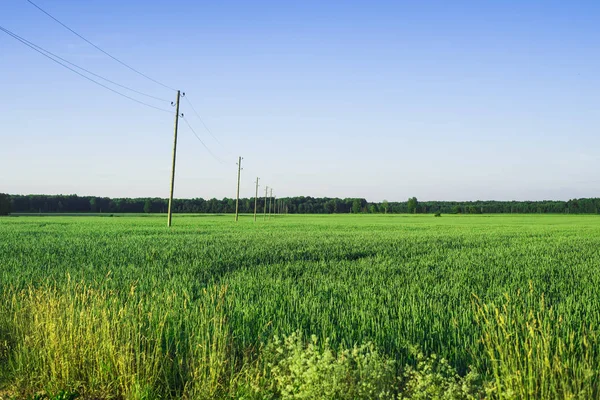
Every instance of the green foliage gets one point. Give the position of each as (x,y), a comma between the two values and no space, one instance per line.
(93,205)
(5,204)
(297,370)
(473,210)
(289,368)
(62,395)
(437,214)
(147,206)
(356,206)
(412,205)
(435,378)
(385,205)
(293,205)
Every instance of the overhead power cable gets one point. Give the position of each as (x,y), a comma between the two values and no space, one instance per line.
(90,72)
(98,48)
(201,141)
(202,121)
(46,54)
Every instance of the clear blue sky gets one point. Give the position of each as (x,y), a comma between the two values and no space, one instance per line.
(383,100)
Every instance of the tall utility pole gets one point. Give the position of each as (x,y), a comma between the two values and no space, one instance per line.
(237,197)
(270,198)
(266,189)
(256,199)
(174,155)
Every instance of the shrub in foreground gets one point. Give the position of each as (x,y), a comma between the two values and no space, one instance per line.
(295,369)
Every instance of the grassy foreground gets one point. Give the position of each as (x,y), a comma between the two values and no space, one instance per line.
(300,307)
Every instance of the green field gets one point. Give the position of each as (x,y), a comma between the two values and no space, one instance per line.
(124,307)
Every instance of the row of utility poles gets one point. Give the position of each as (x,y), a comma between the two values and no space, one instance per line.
(279,207)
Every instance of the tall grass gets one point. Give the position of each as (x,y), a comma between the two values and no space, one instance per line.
(534,354)
(124,308)
(112,344)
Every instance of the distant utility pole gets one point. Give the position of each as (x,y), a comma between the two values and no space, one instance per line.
(237,197)
(265,217)
(174,155)
(256,199)
(270,198)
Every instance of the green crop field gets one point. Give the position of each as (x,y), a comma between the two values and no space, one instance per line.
(503,306)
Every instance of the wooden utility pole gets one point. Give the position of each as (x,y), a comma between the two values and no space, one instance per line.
(174,155)
(265,217)
(256,199)
(270,198)
(237,196)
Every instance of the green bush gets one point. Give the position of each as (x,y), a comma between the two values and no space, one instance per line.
(435,378)
(293,369)
(290,368)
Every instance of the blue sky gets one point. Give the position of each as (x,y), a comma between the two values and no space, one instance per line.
(383,100)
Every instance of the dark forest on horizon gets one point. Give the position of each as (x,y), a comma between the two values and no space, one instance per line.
(291,205)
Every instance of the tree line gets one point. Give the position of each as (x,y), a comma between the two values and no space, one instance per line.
(291,205)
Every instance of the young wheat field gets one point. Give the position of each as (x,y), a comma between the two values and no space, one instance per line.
(331,307)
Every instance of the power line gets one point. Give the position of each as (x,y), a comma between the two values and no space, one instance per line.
(98,48)
(203,144)
(200,118)
(45,54)
(90,72)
